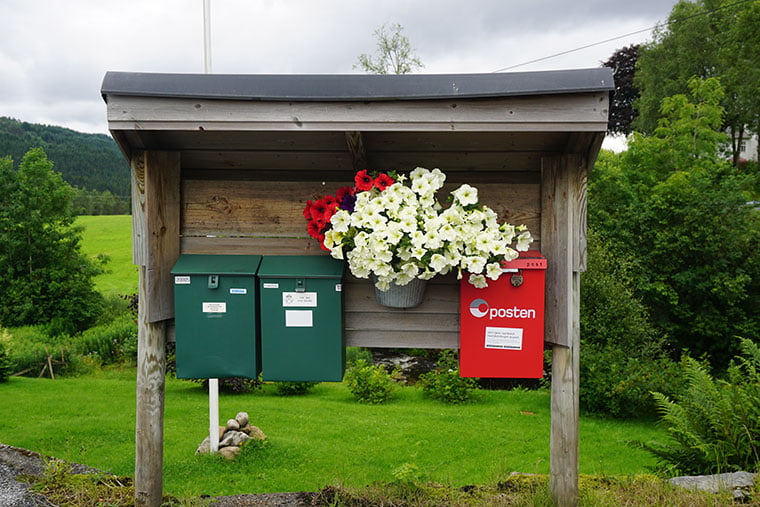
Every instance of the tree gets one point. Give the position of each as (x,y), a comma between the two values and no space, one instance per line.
(44,277)
(705,38)
(394,53)
(623,63)
(680,210)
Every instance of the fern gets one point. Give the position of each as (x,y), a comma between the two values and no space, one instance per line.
(715,424)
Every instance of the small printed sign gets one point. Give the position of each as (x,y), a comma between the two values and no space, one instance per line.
(299,299)
(214,307)
(271,285)
(338,287)
(181,280)
(238,291)
(299,318)
(508,338)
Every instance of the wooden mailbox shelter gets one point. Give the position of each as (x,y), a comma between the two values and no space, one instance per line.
(225,164)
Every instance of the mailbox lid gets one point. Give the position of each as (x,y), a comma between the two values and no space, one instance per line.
(532,259)
(300,266)
(197,264)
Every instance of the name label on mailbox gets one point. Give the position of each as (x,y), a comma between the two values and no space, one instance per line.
(299,299)
(214,307)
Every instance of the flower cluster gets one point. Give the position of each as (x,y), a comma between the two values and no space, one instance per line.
(398,232)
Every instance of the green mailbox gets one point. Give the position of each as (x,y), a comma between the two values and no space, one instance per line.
(215,314)
(302,318)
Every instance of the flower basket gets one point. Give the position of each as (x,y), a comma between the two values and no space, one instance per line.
(394,229)
(402,296)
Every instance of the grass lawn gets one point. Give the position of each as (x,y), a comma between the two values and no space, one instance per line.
(111,235)
(324,438)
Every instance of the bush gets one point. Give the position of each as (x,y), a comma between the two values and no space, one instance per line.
(444,383)
(714,424)
(112,342)
(369,383)
(294,388)
(235,385)
(5,364)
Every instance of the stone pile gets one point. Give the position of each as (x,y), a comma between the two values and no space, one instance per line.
(233,436)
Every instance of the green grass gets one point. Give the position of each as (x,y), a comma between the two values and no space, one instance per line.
(111,235)
(324,438)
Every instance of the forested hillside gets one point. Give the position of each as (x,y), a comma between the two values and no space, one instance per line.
(90,162)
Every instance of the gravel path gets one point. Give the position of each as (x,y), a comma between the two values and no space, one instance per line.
(15,461)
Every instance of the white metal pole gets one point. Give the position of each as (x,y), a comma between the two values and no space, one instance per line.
(213,414)
(207,36)
(213,383)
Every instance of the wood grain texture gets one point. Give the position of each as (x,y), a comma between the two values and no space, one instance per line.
(162,217)
(555,113)
(275,208)
(149,415)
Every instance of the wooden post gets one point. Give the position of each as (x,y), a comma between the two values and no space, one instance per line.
(155,219)
(563,243)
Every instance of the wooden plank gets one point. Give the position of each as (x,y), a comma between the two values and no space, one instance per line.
(555,113)
(249,246)
(139,222)
(149,415)
(392,339)
(162,217)
(474,161)
(253,208)
(578,183)
(243,140)
(556,246)
(269,160)
(465,141)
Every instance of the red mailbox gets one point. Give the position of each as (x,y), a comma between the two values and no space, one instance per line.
(501,327)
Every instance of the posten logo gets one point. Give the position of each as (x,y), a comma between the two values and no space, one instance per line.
(480,308)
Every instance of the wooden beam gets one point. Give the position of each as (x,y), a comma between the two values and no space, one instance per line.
(149,415)
(556,113)
(355,143)
(563,232)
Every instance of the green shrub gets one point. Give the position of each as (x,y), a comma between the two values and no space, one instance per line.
(294,388)
(353,354)
(715,424)
(235,385)
(444,383)
(112,342)
(369,383)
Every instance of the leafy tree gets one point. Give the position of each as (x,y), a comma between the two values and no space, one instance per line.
(394,53)
(44,277)
(704,38)
(623,63)
(672,203)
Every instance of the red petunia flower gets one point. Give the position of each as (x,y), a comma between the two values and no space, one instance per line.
(330,200)
(307,209)
(318,209)
(383,181)
(344,191)
(363,181)
(313,229)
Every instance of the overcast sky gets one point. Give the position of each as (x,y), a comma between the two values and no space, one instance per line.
(54,53)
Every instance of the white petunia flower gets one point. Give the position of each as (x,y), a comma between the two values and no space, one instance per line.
(493,270)
(478,281)
(523,241)
(466,195)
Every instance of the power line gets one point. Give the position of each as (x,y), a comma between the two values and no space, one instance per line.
(667,23)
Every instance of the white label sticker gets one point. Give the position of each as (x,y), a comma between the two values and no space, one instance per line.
(238,291)
(214,307)
(299,299)
(299,318)
(338,287)
(181,280)
(271,285)
(504,338)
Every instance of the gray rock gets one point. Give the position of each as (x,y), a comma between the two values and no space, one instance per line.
(234,438)
(233,425)
(242,419)
(205,446)
(738,482)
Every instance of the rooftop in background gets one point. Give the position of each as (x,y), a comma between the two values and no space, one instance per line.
(352,87)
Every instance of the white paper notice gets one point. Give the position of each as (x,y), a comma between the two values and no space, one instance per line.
(299,299)
(182,280)
(298,318)
(504,338)
(214,307)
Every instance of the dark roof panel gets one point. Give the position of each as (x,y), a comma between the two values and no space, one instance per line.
(352,87)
